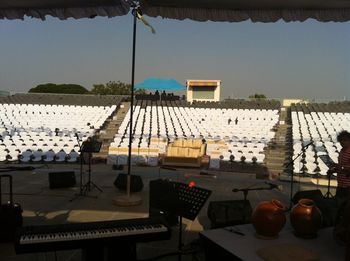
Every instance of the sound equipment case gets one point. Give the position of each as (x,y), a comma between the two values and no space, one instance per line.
(10,214)
(229,213)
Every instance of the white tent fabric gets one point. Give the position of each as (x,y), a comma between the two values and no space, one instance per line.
(199,10)
(62,9)
(255,10)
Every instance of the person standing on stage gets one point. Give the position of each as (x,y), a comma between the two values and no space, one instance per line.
(342,168)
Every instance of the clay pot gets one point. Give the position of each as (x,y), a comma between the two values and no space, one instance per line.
(268,218)
(306,218)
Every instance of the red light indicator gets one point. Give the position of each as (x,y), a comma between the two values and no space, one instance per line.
(192,184)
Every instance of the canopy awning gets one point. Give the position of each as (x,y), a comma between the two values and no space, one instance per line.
(255,10)
(62,9)
(160,85)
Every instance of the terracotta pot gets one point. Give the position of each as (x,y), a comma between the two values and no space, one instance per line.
(268,218)
(306,218)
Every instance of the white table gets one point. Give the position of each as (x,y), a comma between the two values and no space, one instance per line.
(221,244)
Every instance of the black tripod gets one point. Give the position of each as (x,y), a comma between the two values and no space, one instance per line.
(87,147)
(328,193)
(89,185)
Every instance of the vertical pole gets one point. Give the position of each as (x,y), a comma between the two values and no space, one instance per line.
(179,248)
(89,172)
(291,190)
(81,167)
(134,12)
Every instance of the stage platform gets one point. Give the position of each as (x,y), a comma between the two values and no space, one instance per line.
(42,205)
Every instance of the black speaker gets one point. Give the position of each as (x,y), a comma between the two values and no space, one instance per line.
(315,195)
(326,206)
(136,183)
(62,179)
(229,213)
(162,194)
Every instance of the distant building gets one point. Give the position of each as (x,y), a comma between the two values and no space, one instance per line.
(288,102)
(4,93)
(203,90)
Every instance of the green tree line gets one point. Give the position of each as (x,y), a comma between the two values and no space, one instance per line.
(110,88)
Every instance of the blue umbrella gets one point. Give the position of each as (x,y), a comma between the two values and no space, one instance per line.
(160,85)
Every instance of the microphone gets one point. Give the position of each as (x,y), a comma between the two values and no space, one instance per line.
(236,190)
(274,186)
(76,135)
(307,145)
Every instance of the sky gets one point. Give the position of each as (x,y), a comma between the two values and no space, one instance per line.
(309,60)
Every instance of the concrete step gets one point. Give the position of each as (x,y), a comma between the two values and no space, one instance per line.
(275,170)
(110,129)
(275,149)
(99,155)
(274,165)
(111,126)
(279,156)
(277,160)
(110,132)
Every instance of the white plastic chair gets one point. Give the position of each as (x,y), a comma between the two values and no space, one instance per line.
(72,156)
(49,156)
(60,156)
(26,156)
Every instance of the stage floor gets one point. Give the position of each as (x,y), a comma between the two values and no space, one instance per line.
(42,205)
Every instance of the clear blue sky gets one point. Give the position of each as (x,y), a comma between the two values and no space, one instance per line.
(294,60)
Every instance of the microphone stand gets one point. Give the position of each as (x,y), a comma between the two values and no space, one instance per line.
(81,166)
(81,171)
(245,195)
(292,174)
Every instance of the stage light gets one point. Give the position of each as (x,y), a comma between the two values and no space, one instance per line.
(192,184)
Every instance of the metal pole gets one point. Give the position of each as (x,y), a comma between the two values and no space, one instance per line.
(128,199)
(134,12)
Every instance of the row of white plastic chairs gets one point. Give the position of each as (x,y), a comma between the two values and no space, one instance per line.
(21,141)
(83,118)
(38,156)
(217,120)
(322,129)
(36,108)
(318,127)
(181,125)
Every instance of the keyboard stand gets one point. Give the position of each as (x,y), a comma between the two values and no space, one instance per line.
(111,252)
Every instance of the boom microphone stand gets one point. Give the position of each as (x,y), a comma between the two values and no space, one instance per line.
(245,195)
(81,170)
(303,148)
(81,165)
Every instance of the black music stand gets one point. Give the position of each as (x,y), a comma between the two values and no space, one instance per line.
(87,147)
(185,201)
(90,147)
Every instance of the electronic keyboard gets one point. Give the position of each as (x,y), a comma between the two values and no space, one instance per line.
(83,235)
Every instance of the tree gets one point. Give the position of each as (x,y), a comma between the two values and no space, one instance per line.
(59,88)
(114,88)
(257,96)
